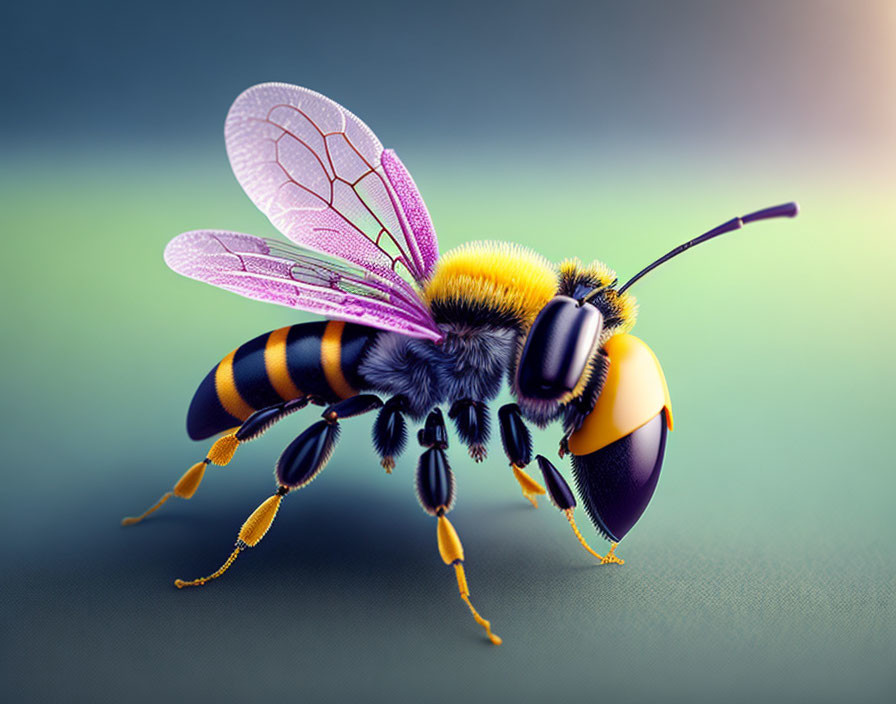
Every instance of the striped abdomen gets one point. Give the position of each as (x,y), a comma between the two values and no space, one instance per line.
(319,358)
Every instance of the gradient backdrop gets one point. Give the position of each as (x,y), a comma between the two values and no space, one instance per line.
(764,568)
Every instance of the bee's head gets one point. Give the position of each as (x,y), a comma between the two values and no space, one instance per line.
(557,353)
(555,360)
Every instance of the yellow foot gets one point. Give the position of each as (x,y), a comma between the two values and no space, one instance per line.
(388,463)
(611,558)
(131,520)
(180,583)
(487,625)
(531,488)
(465,595)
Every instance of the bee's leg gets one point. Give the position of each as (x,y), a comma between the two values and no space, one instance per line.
(473,425)
(563,498)
(435,491)
(299,463)
(222,451)
(517,442)
(390,431)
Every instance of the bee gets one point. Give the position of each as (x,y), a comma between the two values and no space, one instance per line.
(408,331)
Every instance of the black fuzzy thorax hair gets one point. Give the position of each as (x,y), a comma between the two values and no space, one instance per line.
(453,312)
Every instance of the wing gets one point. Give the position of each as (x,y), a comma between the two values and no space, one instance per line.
(277,272)
(325,181)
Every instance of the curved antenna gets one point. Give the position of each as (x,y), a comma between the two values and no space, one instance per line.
(786,210)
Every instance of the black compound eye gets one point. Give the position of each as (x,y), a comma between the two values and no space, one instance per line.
(557,349)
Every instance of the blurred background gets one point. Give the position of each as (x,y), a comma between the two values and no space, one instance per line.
(764,567)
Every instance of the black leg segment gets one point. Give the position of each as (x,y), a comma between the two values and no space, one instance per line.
(515,436)
(559,491)
(433,433)
(473,425)
(517,442)
(351,407)
(260,421)
(390,433)
(305,456)
(435,482)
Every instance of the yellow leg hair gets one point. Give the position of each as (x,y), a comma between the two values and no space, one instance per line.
(220,454)
(607,559)
(530,487)
(452,552)
(222,451)
(254,529)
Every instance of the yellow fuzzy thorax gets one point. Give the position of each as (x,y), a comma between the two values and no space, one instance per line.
(503,277)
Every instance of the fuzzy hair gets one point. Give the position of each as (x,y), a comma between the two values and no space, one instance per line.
(619,311)
(579,407)
(573,275)
(484,297)
(493,283)
(468,364)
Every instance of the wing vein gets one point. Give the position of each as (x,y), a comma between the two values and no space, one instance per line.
(328,184)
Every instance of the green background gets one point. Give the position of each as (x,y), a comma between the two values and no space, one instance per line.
(764,567)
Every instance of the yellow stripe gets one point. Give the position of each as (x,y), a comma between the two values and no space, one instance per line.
(276,367)
(225,386)
(331,359)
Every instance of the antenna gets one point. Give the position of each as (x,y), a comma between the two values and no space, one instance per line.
(787,210)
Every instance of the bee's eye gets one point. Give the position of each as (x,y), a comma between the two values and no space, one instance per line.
(557,348)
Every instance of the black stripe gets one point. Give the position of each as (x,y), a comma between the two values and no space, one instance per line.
(354,346)
(303,360)
(207,416)
(251,376)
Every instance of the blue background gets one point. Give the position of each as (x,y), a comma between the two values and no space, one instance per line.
(764,567)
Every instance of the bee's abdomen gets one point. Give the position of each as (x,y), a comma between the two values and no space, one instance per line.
(319,359)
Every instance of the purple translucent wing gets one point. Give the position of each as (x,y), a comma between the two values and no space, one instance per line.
(277,272)
(322,178)
(414,208)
